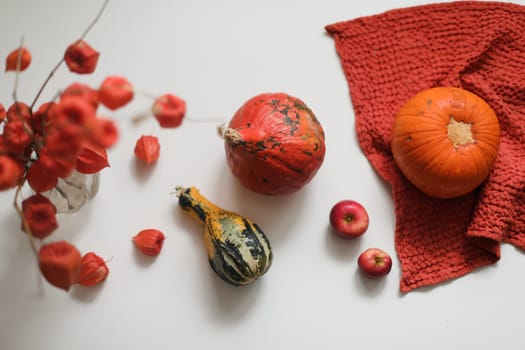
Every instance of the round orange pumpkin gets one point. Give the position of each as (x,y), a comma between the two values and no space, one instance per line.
(274,144)
(445,141)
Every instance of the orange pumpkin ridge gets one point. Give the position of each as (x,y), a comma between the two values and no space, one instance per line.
(445,141)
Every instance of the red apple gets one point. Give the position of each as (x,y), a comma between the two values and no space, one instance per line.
(349,219)
(375,262)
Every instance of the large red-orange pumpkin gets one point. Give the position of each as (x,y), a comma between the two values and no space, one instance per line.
(445,141)
(274,144)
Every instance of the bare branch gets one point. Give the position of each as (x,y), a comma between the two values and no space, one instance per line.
(17,72)
(95,20)
(25,224)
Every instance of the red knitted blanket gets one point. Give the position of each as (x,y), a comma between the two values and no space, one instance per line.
(388,58)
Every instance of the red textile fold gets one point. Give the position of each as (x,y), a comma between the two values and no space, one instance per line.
(388,58)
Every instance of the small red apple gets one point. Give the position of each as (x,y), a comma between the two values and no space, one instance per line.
(375,262)
(349,219)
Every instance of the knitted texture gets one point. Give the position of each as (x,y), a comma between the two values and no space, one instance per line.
(387,59)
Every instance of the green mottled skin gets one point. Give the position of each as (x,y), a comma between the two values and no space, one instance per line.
(238,250)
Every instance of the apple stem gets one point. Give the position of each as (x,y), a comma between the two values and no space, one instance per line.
(379,260)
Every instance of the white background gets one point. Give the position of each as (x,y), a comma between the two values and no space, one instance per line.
(216,55)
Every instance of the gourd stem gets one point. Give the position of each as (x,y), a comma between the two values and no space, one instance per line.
(178,191)
(194,203)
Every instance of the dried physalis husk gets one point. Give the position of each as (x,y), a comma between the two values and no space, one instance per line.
(149,241)
(18,59)
(147,149)
(39,215)
(60,263)
(169,110)
(115,92)
(81,58)
(93,270)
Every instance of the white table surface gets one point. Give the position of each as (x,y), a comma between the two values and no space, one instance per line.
(215,55)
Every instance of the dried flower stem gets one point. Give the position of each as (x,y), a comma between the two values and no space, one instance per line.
(204,121)
(145,94)
(17,73)
(23,218)
(45,83)
(142,116)
(139,118)
(93,22)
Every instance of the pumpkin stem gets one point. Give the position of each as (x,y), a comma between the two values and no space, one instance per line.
(220,130)
(459,133)
(232,136)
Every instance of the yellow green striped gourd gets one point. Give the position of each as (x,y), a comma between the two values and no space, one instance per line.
(238,250)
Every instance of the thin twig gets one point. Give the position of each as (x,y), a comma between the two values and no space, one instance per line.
(46,82)
(204,121)
(145,94)
(25,224)
(18,66)
(93,22)
(140,117)
(143,116)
